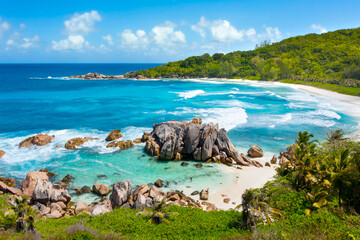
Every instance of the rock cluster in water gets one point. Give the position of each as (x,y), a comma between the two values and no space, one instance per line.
(97,76)
(180,140)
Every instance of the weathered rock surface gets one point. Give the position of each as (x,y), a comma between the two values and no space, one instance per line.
(100,209)
(71,144)
(7,189)
(273,160)
(8,181)
(120,194)
(142,202)
(204,194)
(255,151)
(80,206)
(283,160)
(113,135)
(122,145)
(267,164)
(101,189)
(177,140)
(142,189)
(67,178)
(28,185)
(226,200)
(38,140)
(85,189)
(2,153)
(46,192)
(159,183)
(156,194)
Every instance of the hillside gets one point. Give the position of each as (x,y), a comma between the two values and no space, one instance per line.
(332,57)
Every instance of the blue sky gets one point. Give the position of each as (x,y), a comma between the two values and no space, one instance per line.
(157,31)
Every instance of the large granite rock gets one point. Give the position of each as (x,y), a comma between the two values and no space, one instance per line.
(45,192)
(101,189)
(255,151)
(177,140)
(113,135)
(29,183)
(38,140)
(120,194)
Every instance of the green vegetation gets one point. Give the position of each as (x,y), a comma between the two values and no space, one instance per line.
(329,86)
(332,58)
(316,195)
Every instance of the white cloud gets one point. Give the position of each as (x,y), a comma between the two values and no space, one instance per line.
(109,39)
(273,34)
(30,42)
(318,27)
(134,40)
(82,23)
(221,30)
(78,26)
(24,43)
(4,26)
(22,25)
(165,36)
(200,27)
(73,42)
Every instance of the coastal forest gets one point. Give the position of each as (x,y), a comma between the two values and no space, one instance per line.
(332,58)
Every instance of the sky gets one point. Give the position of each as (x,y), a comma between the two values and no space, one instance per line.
(157,31)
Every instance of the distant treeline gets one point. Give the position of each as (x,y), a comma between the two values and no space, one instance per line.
(332,57)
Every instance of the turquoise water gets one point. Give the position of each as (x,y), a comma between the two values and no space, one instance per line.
(35,99)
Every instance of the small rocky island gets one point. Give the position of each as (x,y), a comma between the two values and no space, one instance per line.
(102,76)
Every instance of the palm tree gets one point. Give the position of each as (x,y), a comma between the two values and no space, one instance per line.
(26,215)
(335,136)
(158,213)
(338,172)
(256,209)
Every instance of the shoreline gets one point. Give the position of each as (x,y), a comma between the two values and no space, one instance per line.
(252,177)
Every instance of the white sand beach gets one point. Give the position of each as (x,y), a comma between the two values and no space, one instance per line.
(252,177)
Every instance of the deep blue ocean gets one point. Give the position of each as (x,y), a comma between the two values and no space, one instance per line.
(35,98)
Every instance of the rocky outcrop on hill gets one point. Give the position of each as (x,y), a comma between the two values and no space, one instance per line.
(38,140)
(97,76)
(178,140)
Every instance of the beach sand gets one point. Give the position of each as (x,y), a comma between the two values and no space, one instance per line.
(252,177)
(241,179)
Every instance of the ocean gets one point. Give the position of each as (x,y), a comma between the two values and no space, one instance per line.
(36,98)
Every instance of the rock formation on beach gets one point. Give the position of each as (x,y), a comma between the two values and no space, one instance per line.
(180,140)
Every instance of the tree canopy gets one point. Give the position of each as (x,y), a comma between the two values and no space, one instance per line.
(332,57)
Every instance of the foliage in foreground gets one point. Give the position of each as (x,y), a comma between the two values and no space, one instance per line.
(332,57)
